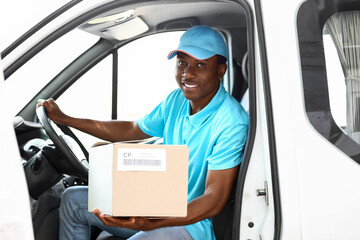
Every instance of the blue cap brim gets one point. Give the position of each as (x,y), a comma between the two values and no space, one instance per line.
(195,52)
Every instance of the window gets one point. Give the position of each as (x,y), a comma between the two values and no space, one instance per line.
(336,82)
(90,97)
(37,72)
(343,29)
(329,53)
(143,65)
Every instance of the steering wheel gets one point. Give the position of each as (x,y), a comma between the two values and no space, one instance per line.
(71,161)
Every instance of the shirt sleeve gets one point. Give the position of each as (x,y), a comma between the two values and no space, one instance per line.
(153,123)
(228,149)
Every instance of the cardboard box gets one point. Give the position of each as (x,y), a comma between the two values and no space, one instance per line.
(139,180)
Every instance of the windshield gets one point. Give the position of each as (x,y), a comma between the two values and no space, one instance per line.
(19,17)
(27,81)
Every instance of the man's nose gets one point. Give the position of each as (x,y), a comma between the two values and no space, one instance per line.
(188,72)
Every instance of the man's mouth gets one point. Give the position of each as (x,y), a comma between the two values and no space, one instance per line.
(190,85)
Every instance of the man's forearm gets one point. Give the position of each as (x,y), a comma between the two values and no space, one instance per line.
(112,131)
(218,187)
(200,208)
(107,130)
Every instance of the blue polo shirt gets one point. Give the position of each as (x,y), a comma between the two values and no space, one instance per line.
(216,136)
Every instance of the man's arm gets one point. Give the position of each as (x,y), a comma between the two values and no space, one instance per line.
(112,131)
(217,191)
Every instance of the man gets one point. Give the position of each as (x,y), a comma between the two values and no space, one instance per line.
(200,114)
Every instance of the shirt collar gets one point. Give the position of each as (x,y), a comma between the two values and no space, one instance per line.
(198,118)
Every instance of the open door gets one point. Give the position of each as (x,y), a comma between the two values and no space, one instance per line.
(15,217)
(257,211)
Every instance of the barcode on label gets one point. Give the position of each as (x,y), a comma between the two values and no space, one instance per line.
(136,159)
(142,162)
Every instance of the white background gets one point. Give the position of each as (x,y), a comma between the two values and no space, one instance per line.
(18,16)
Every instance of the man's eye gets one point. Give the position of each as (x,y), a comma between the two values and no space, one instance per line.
(181,63)
(201,65)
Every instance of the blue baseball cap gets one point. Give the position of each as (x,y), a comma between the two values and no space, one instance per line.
(201,43)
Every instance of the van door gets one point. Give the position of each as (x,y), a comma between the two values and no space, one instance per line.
(310,162)
(258,180)
(15,217)
(328,143)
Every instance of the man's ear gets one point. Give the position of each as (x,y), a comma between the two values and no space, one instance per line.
(221,70)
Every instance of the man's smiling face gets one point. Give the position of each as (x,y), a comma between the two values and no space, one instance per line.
(198,79)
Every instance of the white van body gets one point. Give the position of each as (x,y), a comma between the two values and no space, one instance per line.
(297,184)
(317,182)
(15,217)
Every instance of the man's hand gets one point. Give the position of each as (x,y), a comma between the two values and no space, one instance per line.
(52,109)
(113,131)
(136,223)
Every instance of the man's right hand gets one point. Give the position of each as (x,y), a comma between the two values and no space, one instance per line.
(112,131)
(52,109)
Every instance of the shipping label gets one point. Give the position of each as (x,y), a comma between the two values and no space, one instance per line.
(145,159)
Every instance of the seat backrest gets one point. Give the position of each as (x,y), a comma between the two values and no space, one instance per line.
(240,70)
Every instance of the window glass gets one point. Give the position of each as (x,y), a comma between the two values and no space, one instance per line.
(146,76)
(90,97)
(20,15)
(336,82)
(140,68)
(26,82)
(344,31)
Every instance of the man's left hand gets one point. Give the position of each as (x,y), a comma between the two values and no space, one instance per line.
(136,223)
